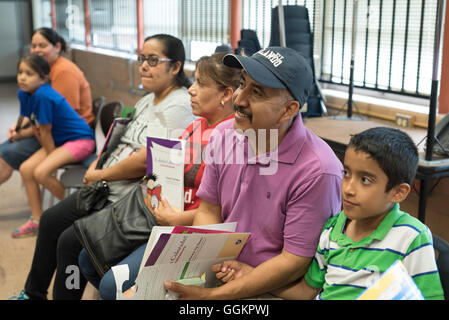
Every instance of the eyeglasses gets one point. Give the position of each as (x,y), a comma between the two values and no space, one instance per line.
(151,60)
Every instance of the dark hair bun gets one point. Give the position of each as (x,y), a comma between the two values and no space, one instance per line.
(53,37)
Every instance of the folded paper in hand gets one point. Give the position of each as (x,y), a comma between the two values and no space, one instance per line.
(165,172)
(175,253)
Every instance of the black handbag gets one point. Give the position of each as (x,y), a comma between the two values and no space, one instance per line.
(92,197)
(112,233)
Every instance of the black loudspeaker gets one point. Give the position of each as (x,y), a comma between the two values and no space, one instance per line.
(441,148)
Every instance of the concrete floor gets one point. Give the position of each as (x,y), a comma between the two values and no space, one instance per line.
(16,254)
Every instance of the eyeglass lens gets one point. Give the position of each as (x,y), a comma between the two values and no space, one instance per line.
(151,60)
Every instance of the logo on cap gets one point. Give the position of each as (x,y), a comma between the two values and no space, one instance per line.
(274,57)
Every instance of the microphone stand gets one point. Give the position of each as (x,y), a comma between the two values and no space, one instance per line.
(435,84)
(350,101)
(431,138)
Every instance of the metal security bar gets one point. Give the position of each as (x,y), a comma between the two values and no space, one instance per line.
(394,44)
(394,40)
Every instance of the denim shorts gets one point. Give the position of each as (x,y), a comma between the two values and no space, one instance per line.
(15,153)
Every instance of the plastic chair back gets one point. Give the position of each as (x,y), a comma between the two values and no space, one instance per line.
(299,37)
(108,113)
(248,43)
(442,249)
(97,104)
(223,48)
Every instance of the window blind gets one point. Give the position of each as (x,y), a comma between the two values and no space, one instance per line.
(114,24)
(70,20)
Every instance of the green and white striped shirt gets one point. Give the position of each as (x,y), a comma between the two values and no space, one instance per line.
(344,268)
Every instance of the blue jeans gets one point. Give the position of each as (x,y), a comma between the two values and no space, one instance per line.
(106,285)
(15,153)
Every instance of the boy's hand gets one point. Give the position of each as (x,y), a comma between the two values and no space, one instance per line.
(14,136)
(187,292)
(230,270)
(11,131)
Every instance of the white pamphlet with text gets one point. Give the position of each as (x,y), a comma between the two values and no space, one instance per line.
(176,253)
(165,172)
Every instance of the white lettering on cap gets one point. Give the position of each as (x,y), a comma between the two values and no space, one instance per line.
(275,58)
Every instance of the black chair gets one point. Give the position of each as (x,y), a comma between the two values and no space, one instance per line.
(299,37)
(72,178)
(109,112)
(97,104)
(223,48)
(248,43)
(442,252)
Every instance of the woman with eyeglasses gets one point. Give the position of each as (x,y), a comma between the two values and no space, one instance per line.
(161,68)
(164,110)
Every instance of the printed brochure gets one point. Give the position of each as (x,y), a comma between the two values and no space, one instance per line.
(179,253)
(165,172)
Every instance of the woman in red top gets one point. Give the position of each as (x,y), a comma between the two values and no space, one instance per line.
(211,99)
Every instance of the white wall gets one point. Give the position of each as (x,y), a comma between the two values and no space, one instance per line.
(15,24)
(10,43)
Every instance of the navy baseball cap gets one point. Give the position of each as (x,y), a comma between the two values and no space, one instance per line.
(277,67)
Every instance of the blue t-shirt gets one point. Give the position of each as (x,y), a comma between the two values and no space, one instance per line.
(47,106)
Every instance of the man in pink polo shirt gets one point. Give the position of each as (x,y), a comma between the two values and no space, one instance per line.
(270,174)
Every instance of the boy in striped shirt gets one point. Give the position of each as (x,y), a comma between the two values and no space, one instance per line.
(357,245)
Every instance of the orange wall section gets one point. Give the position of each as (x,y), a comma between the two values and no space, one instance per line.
(140,25)
(235,23)
(53,14)
(443,105)
(86,4)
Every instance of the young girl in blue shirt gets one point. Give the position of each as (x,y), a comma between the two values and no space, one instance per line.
(65,137)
